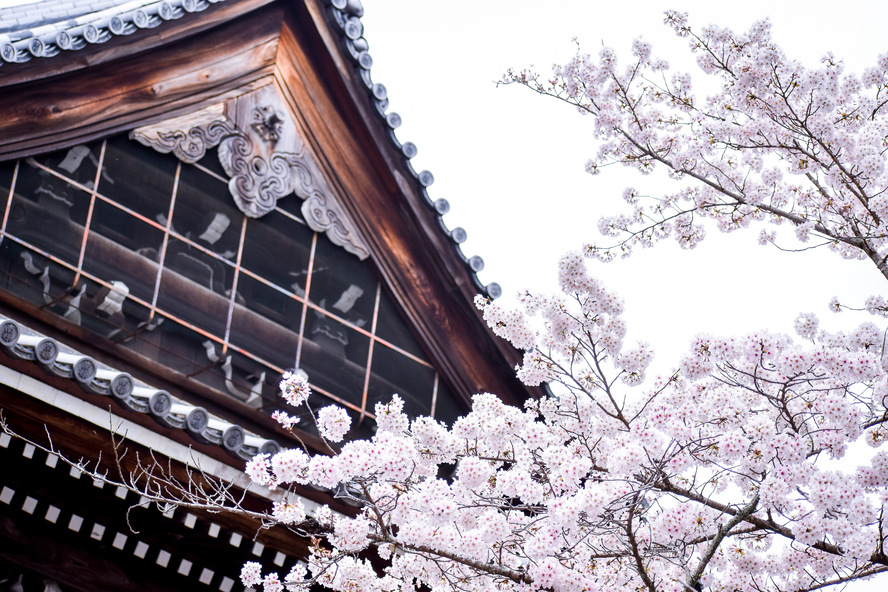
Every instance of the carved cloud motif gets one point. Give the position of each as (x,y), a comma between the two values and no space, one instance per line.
(264,157)
(190,136)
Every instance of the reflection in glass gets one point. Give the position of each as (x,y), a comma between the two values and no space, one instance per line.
(205,213)
(140,329)
(196,287)
(343,284)
(36,278)
(77,163)
(44,202)
(138,178)
(390,327)
(237,375)
(170,297)
(268,324)
(292,205)
(210,161)
(394,373)
(447,409)
(6,171)
(182,349)
(362,428)
(122,248)
(117,316)
(335,357)
(278,249)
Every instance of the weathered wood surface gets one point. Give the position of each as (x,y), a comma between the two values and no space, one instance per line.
(427,279)
(191,73)
(126,45)
(38,547)
(292,44)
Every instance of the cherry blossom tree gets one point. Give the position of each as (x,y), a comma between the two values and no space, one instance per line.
(730,474)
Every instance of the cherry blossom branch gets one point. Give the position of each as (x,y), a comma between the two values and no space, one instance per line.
(723,531)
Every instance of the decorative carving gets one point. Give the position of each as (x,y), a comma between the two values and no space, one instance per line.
(264,157)
(268,123)
(256,181)
(122,385)
(190,136)
(325,215)
(9,333)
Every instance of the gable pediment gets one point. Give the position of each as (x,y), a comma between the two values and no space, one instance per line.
(264,156)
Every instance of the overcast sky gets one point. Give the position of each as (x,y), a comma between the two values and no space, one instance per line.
(511,162)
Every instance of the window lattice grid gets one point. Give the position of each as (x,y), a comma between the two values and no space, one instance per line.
(151,253)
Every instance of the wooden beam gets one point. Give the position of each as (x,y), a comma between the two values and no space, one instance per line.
(416,259)
(73,565)
(89,538)
(76,439)
(43,115)
(120,46)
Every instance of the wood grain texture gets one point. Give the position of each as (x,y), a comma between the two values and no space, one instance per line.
(120,46)
(42,115)
(293,45)
(424,274)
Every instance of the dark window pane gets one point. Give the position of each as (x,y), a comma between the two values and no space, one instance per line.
(237,375)
(6,171)
(138,177)
(335,357)
(123,248)
(182,349)
(270,301)
(292,205)
(95,307)
(362,427)
(267,325)
(196,287)
(77,163)
(390,327)
(210,161)
(277,248)
(343,284)
(35,278)
(48,213)
(447,408)
(197,295)
(394,373)
(110,312)
(306,424)
(140,332)
(205,213)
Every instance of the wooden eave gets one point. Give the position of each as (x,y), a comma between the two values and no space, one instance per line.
(195,61)
(207,57)
(56,552)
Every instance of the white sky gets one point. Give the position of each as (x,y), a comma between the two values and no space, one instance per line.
(511,163)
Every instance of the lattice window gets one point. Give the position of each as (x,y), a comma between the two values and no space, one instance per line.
(151,254)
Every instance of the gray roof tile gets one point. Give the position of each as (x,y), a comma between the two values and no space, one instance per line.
(345,16)
(55,358)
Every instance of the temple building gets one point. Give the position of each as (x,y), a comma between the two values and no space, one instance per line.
(197,197)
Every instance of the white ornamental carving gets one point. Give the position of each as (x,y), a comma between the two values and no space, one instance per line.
(265,158)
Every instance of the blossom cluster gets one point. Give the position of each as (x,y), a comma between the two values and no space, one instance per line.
(625,468)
